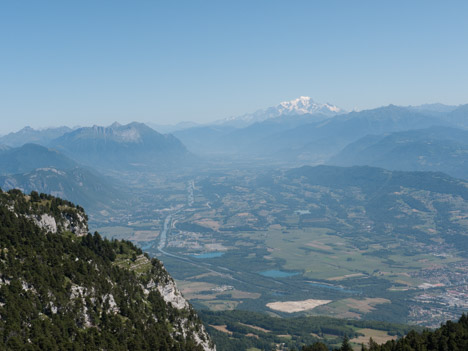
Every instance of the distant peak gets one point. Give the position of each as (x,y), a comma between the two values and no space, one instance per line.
(305,104)
(136,124)
(115,125)
(300,98)
(300,106)
(303,100)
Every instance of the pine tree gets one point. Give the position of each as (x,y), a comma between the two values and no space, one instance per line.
(345,345)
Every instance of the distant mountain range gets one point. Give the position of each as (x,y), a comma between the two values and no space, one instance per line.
(317,141)
(78,185)
(376,181)
(31,156)
(316,138)
(170,128)
(35,167)
(433,109)
(459,116)
(440,149)
(66,167)
(299,131)
(303,105)
(132,146)
(30,135)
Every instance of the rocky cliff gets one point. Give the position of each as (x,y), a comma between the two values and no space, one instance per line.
(64,288)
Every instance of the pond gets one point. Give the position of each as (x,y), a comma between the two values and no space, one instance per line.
(146,245)
(208,255)
(278,274)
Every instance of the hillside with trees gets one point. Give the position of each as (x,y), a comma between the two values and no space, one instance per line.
(451,336)
(62,288)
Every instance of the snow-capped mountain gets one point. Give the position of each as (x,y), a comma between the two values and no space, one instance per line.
(300,106)
(304,105)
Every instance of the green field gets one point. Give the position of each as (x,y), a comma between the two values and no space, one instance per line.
(320,254)
(379,245)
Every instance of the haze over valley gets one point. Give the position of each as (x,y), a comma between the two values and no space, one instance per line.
(234,175)
(363,212)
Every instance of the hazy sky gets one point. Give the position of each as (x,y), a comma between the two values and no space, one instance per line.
(95,62)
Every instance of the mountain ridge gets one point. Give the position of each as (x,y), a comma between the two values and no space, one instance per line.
(296,107)
(130,146)
(31,156)
(308,138)
(33,167)
(31,135)
(438,148)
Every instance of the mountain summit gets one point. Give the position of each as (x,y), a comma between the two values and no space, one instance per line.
(130,146)
(303,105)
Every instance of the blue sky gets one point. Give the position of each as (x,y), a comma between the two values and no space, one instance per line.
(95,62)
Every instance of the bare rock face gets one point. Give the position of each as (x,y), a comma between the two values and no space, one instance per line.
(184,324)
(46,222)
(172,295)
(76,224)
(187,327)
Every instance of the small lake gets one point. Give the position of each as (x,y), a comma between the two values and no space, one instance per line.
(278,274)
(333,287)
(146,245)
(208,255)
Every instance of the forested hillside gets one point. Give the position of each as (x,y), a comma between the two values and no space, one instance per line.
(62,288)
(451,336)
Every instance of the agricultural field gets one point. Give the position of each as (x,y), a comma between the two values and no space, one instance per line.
(241,330)
(372,243)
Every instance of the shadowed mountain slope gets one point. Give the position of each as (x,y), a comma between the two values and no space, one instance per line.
(439,149)
(36,136)
(125,147)
(31,156)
